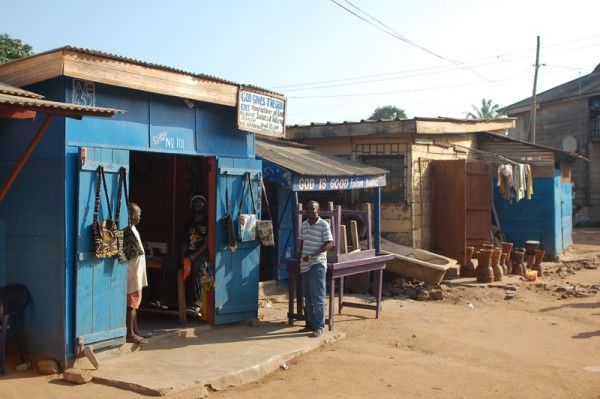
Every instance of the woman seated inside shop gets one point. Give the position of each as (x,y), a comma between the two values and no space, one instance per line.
(194,259)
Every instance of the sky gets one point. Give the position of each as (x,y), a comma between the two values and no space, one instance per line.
(337,60)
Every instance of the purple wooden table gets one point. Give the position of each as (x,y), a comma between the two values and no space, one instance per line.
(335,271)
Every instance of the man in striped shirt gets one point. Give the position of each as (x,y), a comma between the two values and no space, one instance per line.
(315,240)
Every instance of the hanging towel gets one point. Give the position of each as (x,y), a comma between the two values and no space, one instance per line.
(529,182)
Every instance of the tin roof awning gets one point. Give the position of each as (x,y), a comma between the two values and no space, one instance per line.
(304,169)
(16,103)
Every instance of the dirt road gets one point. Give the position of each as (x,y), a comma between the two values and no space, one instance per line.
(543,342)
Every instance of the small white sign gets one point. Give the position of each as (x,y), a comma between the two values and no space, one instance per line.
(260,113)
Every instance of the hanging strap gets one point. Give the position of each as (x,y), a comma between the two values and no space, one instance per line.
(122,188)
(247,179)
(97,205)
(262,184)
(227,192)
(106,193)
(118,210)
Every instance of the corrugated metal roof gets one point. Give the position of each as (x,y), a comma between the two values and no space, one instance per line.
(428,119)
(584,86)
(150,65)
(54,107)
(308,162)
(498,138)
(16,91)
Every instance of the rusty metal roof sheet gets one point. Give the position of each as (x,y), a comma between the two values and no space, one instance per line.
(16,91)
(309,162)
(53,107)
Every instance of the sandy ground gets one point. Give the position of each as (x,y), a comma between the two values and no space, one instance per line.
(477,343)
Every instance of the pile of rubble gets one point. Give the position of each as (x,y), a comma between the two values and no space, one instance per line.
(413,289)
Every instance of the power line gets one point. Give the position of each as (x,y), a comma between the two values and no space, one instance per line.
(396,35)
(477,63)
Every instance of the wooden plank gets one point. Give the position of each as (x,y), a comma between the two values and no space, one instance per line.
(354,234)
(343,240)
(32,70)
(460,126)
(139,77)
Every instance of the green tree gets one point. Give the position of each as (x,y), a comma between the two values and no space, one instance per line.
(387,112)
(486,111)
(13,49)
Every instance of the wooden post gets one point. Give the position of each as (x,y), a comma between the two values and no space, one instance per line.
(343,240)
(354,235)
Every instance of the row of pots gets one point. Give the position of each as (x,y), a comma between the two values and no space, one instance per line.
(494,263)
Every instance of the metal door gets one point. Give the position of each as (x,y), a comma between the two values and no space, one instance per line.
(101,284)
(236,272)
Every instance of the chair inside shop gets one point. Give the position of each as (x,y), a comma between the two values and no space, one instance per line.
(14,298)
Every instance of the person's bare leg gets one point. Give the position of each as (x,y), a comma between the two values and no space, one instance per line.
(136,329)
(131,321)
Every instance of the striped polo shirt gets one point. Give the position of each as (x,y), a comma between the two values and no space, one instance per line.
(313,238)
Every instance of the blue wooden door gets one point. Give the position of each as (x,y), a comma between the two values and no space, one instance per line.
(101,284)
(236,272)
(566,213)
(286,248)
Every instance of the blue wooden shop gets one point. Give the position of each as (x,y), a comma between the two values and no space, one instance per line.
(182,134)
(350,198)
(294,174)
(546,217)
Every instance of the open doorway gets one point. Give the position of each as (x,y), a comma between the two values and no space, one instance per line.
(163,185)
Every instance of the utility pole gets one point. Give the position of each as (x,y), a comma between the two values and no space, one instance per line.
(533,105)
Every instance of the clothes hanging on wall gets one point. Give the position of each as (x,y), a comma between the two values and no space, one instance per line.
(515,182)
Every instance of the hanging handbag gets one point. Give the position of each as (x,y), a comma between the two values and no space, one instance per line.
(129,245)
(264,228)
(247,221)
(227,220)
(105,232)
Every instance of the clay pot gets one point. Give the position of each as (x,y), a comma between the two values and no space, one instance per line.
(539,256)
(531,246)
(503,263)
(495,263)
(530,261)
(487,246)
(507,248)
(518,267)
(484,273)
(468,269)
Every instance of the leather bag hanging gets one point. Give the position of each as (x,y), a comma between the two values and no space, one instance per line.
(264,228)
(129,246)
(105,231)
(247,221)
(227,220)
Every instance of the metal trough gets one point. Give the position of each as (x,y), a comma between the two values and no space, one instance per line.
(417,264)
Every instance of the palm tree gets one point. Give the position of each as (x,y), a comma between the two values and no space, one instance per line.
(487,110)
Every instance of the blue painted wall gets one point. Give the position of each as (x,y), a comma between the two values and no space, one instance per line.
(44,226)
(540,219)
(32,216)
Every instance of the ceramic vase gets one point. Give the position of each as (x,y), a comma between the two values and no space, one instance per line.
(468,269)
(485,274)
(539,256)
(503,263)
(507,248)
(518,267)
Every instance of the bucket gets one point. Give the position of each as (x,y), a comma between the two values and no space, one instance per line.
(531,275)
